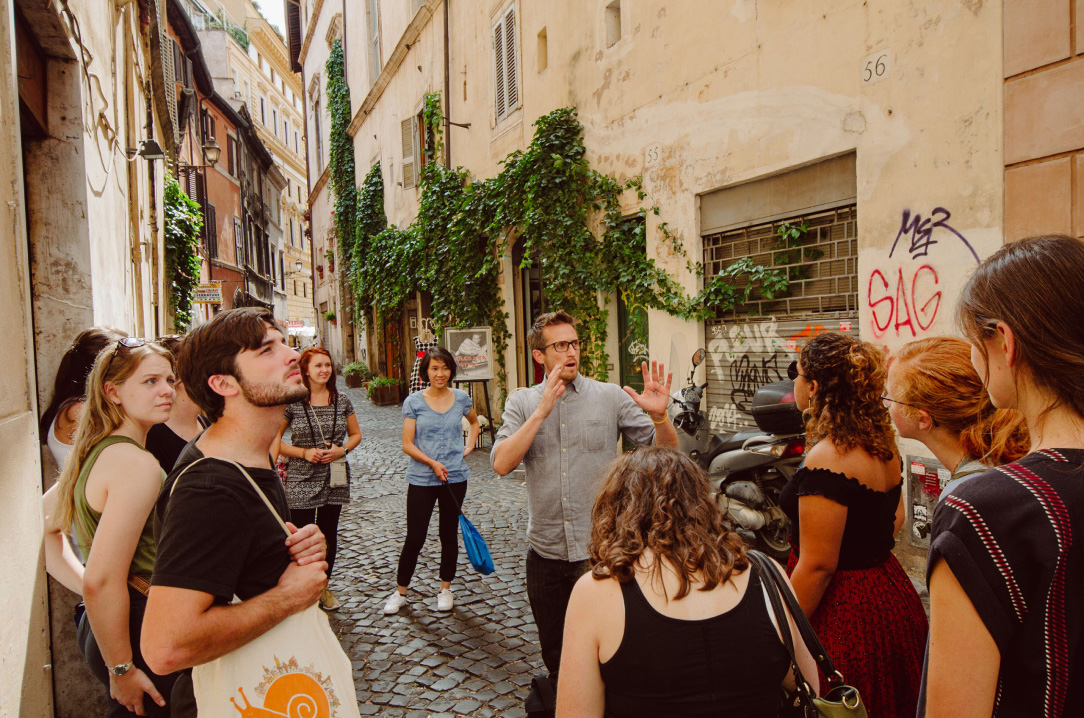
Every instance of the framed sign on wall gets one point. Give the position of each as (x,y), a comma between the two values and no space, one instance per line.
(473,352)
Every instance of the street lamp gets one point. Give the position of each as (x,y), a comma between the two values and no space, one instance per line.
(297,265)
(211,151)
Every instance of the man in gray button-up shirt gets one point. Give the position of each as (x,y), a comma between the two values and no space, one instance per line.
(566,432)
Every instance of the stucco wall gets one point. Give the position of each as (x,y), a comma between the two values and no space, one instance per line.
(25,672)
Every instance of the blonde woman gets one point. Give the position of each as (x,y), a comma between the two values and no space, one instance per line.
(107,490)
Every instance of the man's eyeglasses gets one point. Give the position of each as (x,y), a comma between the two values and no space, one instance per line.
(793,373)
(127,343)
(563,346)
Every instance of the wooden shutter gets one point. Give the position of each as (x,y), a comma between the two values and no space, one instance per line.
(500,80)
(211,231)
(408,131)
(178,63)
(510,69)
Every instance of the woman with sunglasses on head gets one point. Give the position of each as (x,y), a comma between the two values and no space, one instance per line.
(1006,562)
(935,396)
(168,439)
(107,489)
(323,430)
(845,506)
(438,471)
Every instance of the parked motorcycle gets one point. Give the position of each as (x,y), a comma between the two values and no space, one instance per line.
(748,468)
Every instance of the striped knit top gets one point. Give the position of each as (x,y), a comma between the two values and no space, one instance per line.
(1014,538)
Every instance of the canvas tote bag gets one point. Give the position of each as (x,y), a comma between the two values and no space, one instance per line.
(297,668)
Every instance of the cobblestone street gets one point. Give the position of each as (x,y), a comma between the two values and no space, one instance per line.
(477,660)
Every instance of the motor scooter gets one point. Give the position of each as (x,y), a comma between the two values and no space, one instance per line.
(747,468)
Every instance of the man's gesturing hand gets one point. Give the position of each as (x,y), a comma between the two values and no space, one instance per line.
(656,396)
(555,389)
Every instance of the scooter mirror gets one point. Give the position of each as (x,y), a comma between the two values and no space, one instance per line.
(698,357)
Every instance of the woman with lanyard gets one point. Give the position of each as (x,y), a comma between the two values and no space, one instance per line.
(323,430)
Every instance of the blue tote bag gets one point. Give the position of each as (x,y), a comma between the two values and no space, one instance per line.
(473,543)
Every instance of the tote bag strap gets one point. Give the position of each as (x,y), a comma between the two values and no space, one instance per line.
(767,582)
(259,491)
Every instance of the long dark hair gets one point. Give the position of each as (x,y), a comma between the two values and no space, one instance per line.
(659,499)
(1036,287)
(70,384)
(847,407)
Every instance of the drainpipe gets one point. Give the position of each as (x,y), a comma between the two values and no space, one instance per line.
(447,95)
(154,215)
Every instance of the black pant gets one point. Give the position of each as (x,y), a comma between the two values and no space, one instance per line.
(326,518)
(88,646)
(419,509)
(549,586)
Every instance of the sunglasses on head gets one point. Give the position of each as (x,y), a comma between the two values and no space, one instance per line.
(127,343)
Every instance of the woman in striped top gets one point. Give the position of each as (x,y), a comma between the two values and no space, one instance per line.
(1006,573)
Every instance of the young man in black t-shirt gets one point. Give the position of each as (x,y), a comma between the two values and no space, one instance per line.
(216,538)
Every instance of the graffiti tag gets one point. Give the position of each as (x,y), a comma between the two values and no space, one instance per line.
(912,306)
(921,231)
(747,375)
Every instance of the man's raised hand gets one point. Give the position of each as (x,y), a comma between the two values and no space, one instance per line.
(656,395)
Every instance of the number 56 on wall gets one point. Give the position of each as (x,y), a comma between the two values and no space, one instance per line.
(876,67)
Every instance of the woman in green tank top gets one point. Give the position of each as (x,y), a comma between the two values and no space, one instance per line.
(107,490)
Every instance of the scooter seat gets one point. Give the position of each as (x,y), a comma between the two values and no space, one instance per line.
(729,442)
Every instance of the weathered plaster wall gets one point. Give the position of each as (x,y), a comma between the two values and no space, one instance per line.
(25,679)
(744,90)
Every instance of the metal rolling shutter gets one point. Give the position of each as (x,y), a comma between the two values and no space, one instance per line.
(753,344)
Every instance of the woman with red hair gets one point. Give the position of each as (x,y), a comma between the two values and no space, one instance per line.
(323,430)
(934,395)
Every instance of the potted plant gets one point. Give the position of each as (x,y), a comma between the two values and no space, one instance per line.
(384,391)
(356,374)
(330,316)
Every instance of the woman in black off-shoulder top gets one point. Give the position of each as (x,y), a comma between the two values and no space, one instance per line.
(845,507)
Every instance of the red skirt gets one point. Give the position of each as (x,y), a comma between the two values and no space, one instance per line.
(874,628)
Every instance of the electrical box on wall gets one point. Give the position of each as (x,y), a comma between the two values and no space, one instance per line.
(926,477)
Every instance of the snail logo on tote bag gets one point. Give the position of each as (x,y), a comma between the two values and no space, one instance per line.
(290,690)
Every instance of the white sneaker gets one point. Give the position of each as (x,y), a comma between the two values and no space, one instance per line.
(395,602)
(445,600)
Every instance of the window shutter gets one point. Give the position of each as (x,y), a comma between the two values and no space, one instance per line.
(510,58)
(212,232)
(499,76)
(407,129)
(178,63)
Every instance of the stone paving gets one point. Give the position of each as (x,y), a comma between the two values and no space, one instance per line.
(477,660)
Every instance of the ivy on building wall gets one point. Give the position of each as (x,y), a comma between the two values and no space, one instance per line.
(570,221)
(342,178)
(183,223)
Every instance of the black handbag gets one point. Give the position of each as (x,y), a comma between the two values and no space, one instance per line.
(840,700)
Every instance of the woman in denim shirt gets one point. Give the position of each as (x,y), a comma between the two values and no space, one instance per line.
(438,473)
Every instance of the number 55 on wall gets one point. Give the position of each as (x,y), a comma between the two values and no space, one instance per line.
(876,67)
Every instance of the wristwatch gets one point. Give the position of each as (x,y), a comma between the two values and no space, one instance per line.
(121,669)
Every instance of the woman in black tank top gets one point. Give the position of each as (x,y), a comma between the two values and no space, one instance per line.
(670,621)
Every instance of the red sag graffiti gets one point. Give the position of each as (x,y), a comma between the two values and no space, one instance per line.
(907,305)
(906,300)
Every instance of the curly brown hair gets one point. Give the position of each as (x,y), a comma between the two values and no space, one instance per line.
(659,499)
(847,405)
